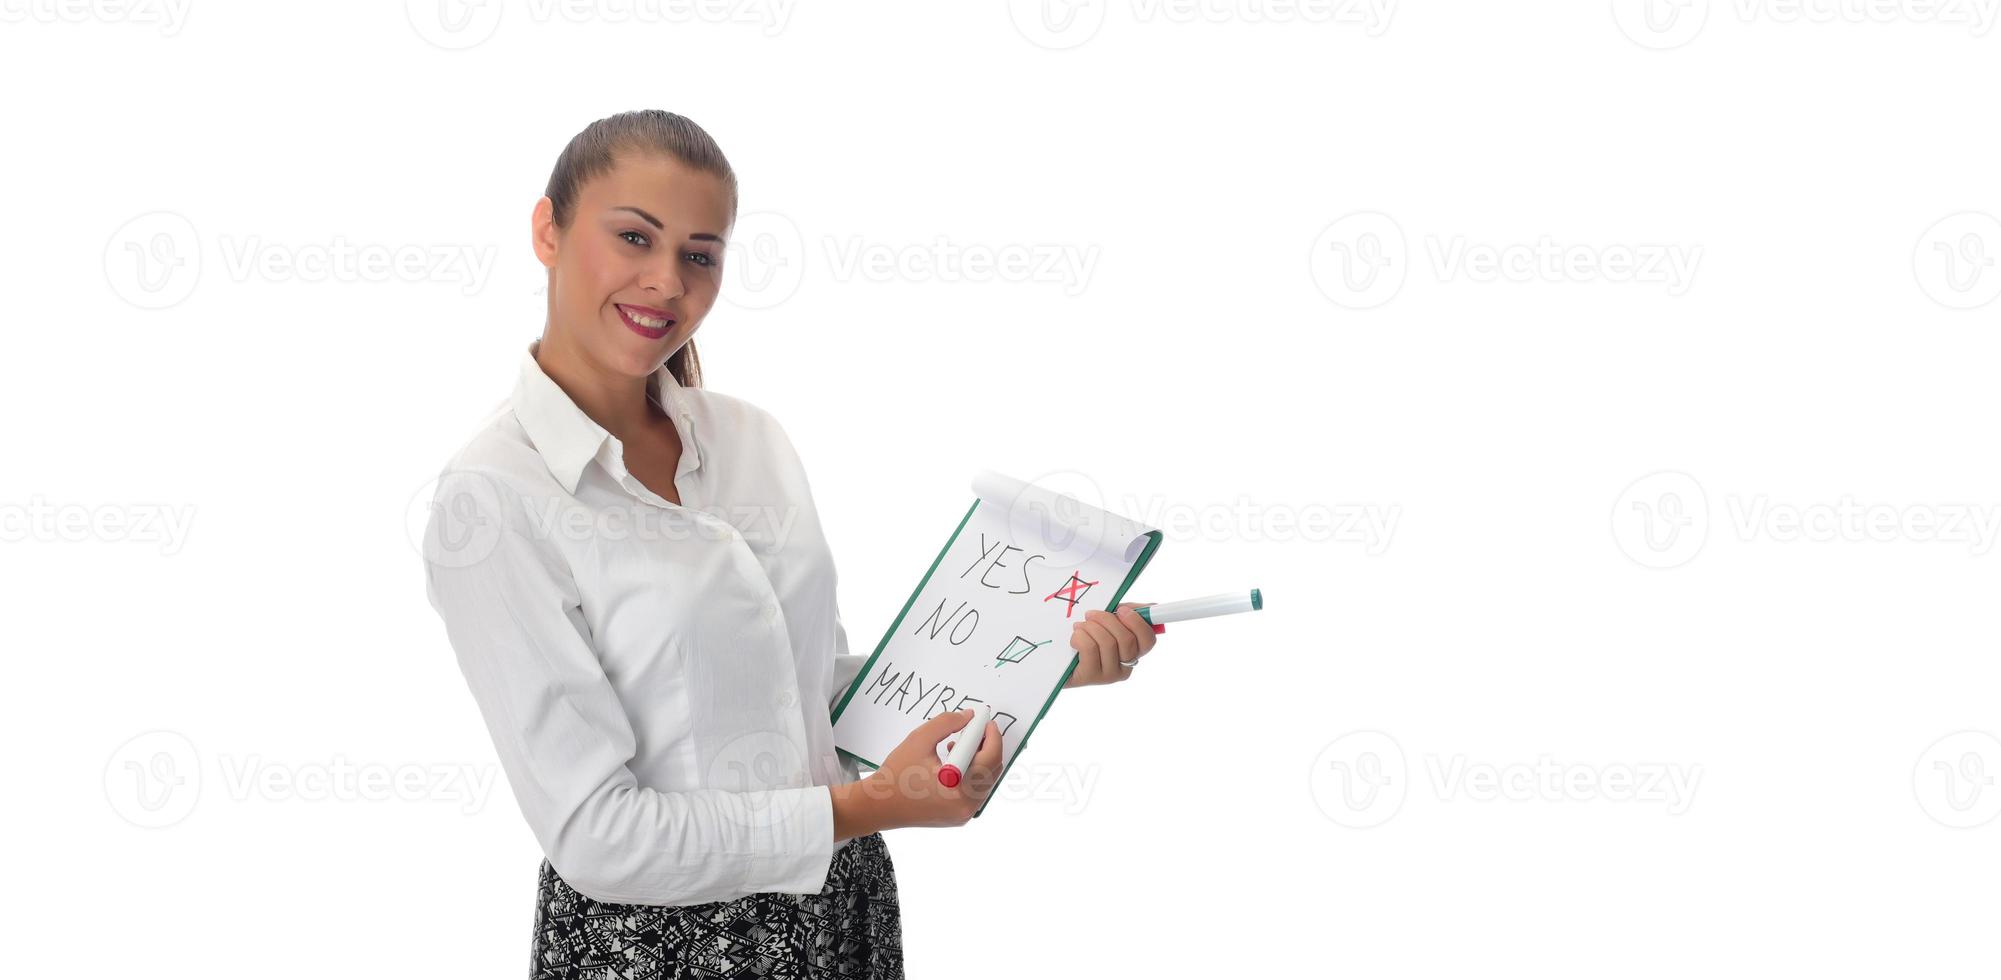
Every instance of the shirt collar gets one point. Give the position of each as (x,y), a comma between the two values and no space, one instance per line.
(568,439)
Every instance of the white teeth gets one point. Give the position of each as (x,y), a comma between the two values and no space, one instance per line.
(645,321)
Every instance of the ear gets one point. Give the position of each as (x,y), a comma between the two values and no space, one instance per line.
(542,231)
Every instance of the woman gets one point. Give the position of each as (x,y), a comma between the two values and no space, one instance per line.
(634,579)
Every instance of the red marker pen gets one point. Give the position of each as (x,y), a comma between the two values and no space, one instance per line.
(957,751)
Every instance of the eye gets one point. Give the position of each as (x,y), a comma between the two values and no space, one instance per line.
(642,238)
(706,260)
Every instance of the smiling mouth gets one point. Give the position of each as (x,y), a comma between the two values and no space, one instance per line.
(646,321)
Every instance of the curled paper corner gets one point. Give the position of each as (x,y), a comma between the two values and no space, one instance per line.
(1078,529)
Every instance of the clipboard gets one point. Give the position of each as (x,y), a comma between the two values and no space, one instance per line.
(1098,534)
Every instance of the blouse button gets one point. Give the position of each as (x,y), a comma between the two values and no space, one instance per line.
(787,699)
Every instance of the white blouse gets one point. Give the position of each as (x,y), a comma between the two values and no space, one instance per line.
(657,678)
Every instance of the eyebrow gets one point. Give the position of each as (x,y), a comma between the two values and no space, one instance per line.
(700,236)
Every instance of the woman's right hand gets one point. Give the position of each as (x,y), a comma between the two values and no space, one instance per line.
(907,787)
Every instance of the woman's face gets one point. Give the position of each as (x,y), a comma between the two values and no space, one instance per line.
(640,264)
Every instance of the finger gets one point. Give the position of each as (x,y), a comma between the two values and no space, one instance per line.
(1090,665)
(1107,649)
(1142,630)
(987,761)
(1151,626)
(1133,605)
(1119,631)
(938,727)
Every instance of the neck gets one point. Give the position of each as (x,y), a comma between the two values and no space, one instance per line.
(615,401)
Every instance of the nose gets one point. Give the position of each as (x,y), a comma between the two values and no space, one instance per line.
(662,279)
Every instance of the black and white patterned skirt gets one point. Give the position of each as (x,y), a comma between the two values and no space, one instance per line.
(852,929)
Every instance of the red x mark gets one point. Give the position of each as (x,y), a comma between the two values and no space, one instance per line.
(1073,592)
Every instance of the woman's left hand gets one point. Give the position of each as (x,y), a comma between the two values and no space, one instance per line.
(1102,639)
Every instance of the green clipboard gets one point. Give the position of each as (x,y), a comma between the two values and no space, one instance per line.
(1139,565)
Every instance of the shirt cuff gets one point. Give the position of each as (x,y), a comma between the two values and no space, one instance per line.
(803,850)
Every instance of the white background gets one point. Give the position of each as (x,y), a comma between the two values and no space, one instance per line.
(1791,617)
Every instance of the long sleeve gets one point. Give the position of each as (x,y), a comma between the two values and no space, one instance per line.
(512,612)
